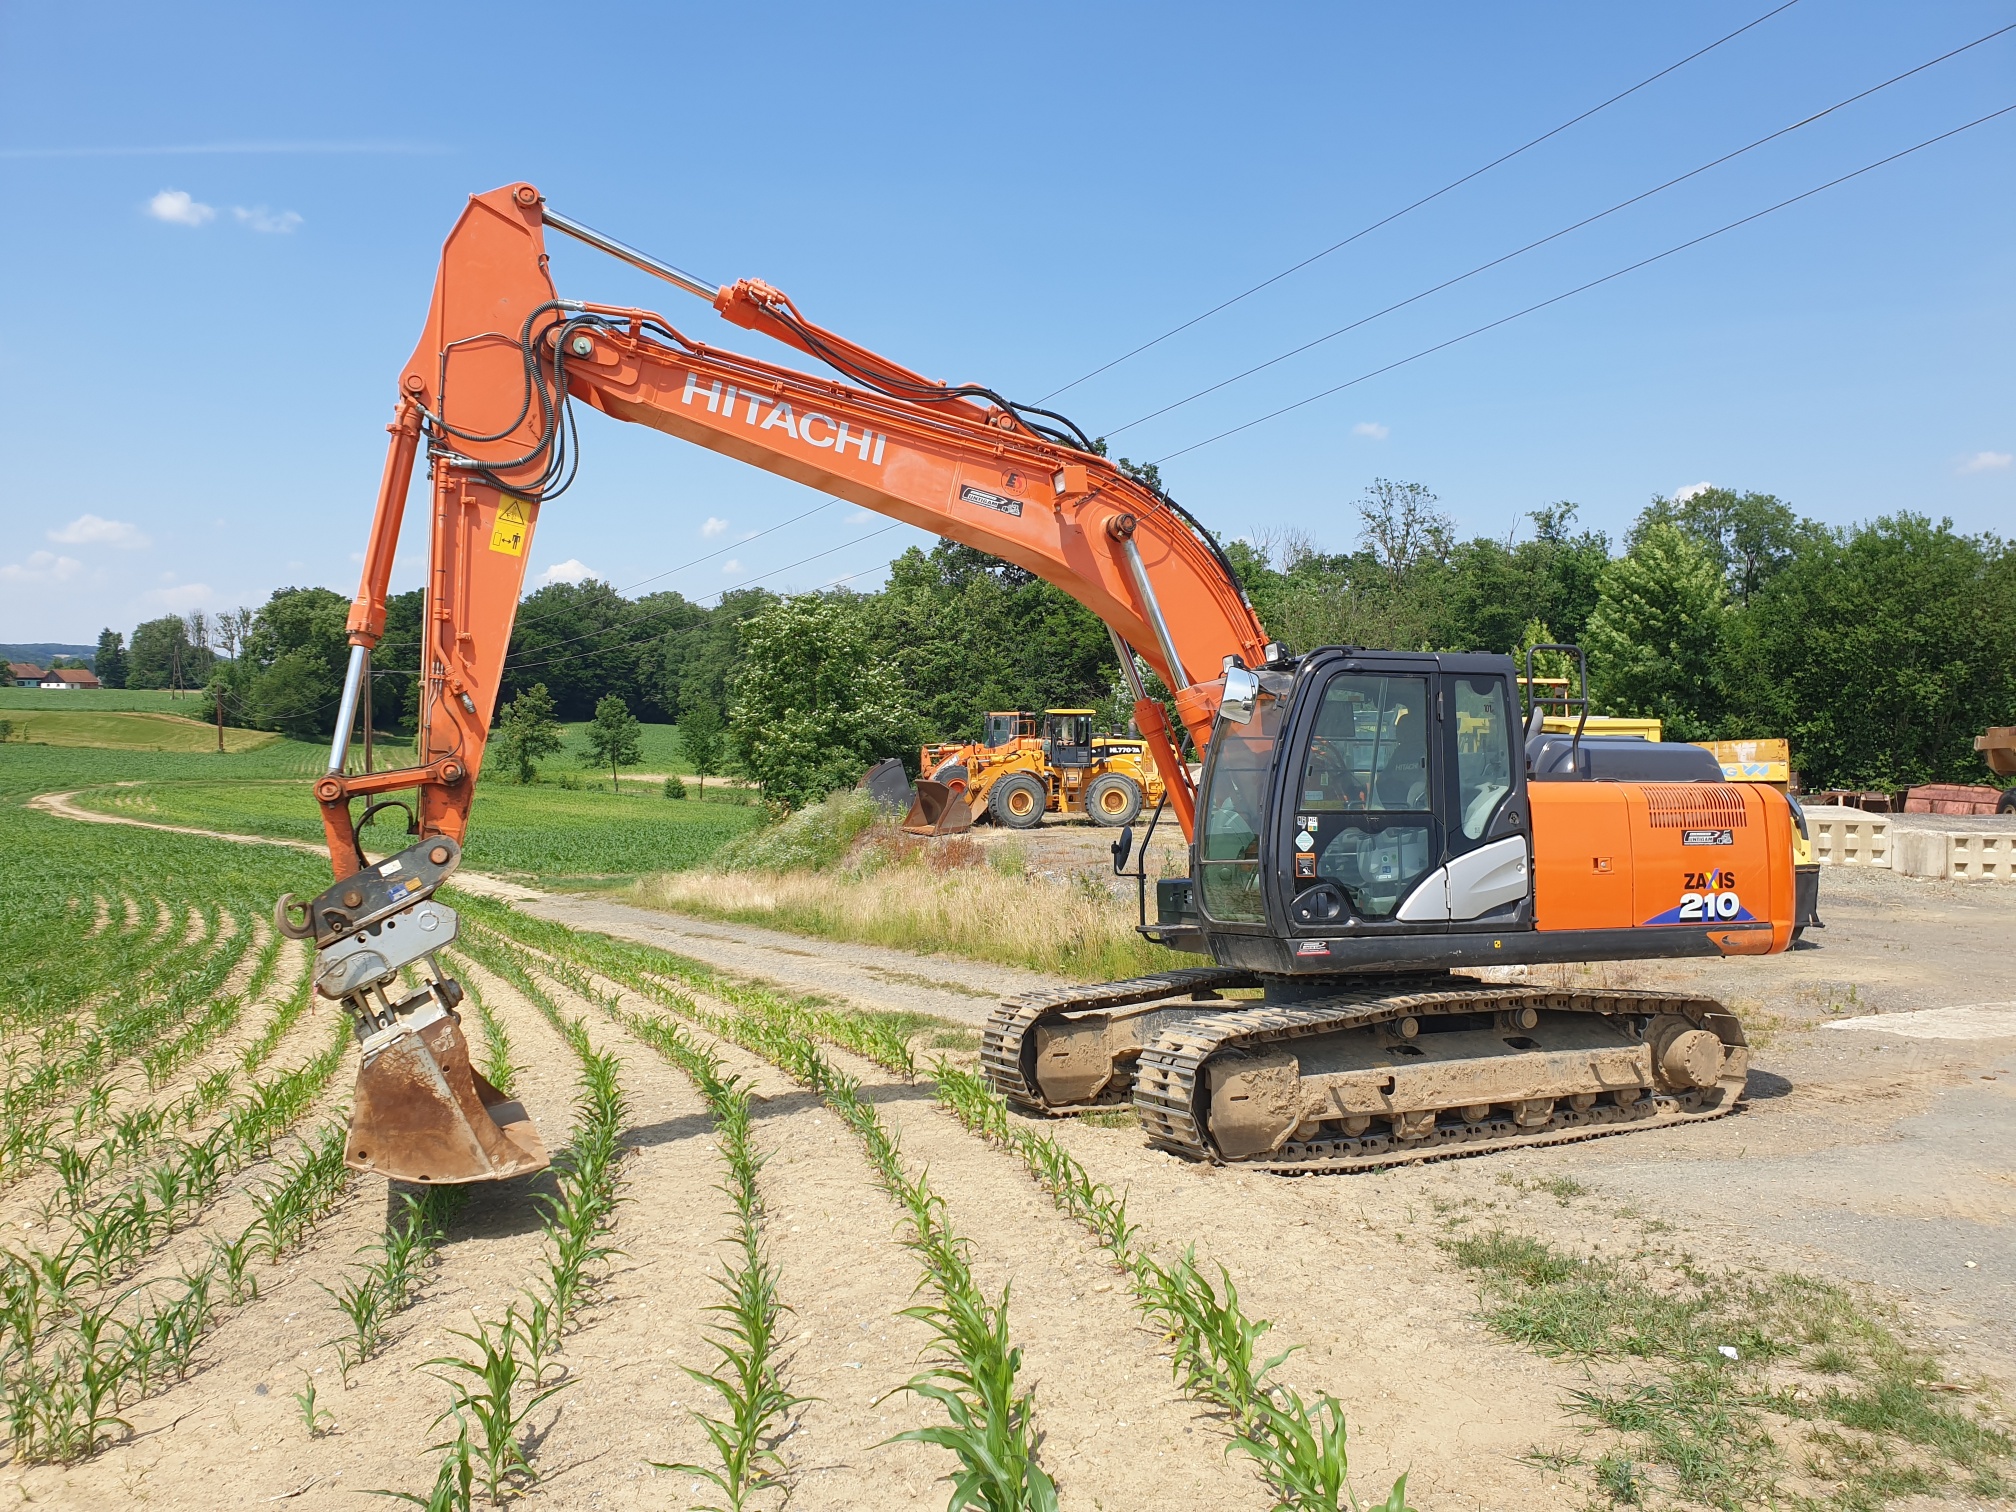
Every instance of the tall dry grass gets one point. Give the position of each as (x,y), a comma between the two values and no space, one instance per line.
(879,886)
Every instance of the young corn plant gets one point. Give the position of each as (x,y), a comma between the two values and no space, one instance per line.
(1298,1447)
(497,1391)
(497,1064)
(317,1419)
(990,1427)
(747,1376)
(285,1016)
(370,1297)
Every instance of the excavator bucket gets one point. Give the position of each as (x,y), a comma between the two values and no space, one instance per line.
(424,1114)
(938,810)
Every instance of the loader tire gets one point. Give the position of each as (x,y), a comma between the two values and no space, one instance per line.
(1113,799)
(1018,801)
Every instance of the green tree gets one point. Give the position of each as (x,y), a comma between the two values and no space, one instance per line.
(615,738)
(160,651)
(110,662)
(293,661)
(966,632)
(527,731)
(1496,589)
(1881,651)
(1752,536)
(813,705)
(700,734)
(1656,639)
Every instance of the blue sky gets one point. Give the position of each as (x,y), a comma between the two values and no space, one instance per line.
(201,355)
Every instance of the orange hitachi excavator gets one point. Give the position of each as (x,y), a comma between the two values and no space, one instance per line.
(1367,825)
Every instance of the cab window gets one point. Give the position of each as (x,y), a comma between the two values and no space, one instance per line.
(1370,748)
(1483,752)
(1235,807)
(1363,811)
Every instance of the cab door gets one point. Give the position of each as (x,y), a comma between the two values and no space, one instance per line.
(1362,807)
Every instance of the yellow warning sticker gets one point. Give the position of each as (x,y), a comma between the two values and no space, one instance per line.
(508,534)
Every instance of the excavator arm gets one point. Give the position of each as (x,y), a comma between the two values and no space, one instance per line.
(488,387)
(488,391)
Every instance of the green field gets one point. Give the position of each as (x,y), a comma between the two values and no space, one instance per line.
(107,701)
(128,731)
(541,832)
(660,744)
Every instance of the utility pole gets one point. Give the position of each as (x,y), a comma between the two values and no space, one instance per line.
(217,690)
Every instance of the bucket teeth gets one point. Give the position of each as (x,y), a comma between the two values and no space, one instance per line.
(423,1113)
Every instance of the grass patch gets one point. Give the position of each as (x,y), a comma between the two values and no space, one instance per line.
(1749,1371)
(838,872)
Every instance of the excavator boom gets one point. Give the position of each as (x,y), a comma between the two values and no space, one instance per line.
(487,390)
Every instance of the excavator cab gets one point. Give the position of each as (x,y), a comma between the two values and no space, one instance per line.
(422,1111)
(1369,803)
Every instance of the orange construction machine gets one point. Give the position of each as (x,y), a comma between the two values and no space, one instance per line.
(1369,827)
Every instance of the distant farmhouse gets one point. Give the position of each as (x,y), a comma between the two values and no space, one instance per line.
(61,679)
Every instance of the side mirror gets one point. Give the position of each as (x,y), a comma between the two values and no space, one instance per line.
(1242,692)
(1122,849)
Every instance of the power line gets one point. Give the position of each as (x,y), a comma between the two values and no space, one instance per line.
(1584,288)
(1590,220)
(1425,199)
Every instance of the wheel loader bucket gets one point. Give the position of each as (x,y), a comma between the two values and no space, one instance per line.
(938,810)
(424,1114)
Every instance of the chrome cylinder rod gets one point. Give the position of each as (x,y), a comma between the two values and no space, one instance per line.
(346,711)
(1156,622)
(1128,669)
(641,260)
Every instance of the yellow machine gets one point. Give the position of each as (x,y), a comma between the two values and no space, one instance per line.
(1027,767)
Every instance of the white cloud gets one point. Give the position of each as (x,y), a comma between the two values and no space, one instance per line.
(860,517)
(731,566)
(179,208)
(1372,429)
(41,566)
(1682,495)
(569,571)
(713,527)
(90,530)
(1988,461)
(181,598)
(260,218)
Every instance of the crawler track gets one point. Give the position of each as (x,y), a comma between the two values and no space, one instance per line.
(1168,1081)
(1005,1043)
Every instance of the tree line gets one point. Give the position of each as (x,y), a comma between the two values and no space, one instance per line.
(1878,649)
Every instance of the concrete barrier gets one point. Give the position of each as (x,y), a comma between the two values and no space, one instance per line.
(1954,855)
(1849,837)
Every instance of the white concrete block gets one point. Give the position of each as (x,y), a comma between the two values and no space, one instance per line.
(1982,857)
(1921,853)
(1849,837)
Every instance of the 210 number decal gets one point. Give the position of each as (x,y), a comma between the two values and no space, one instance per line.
(1703,908)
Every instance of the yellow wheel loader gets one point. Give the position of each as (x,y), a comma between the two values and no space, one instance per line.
(1027,767)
